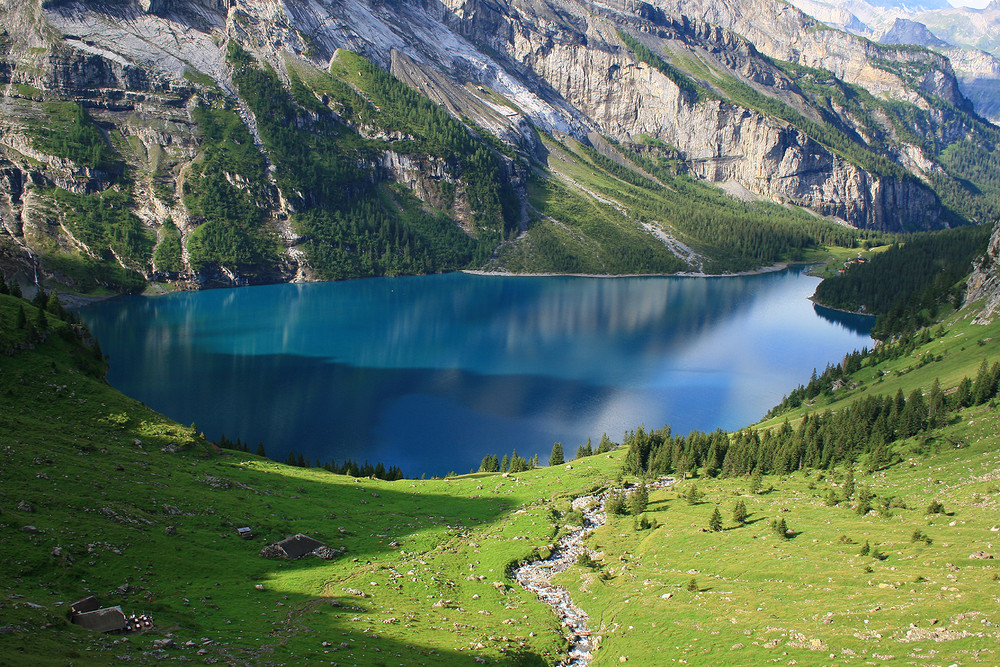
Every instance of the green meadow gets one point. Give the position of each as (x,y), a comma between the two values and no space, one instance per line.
(101,496)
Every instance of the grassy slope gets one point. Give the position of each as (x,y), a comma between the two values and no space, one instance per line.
(814,598)
(68,449)
(417,549)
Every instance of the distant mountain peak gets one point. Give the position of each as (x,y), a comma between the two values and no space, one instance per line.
(905,31)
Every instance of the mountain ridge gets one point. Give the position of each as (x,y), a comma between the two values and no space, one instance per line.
(804,116)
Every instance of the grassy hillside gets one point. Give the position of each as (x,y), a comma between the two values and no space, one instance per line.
(102,496)
(142,512)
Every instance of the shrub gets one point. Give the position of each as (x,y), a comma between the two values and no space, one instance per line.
(935,507)
(615,503)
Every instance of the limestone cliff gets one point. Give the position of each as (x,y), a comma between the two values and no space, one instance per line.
(984,283)
(754,96)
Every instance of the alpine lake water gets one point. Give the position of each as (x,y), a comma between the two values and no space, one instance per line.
(432,373)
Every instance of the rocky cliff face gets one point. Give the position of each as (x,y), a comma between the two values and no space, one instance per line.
(723,105)
(984,283)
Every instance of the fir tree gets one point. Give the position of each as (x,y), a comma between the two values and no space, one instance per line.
(556,457)
(864,501)
(638,500)
(715,521)
(22,319)
(260,450)
(693,495)
(615,504)
(15,288)
(740,512)
(504,464)
(849,483)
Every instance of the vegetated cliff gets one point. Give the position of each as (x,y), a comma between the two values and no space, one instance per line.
(984,283)
(204,142)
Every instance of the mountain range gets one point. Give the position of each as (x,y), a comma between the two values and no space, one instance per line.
(203,143)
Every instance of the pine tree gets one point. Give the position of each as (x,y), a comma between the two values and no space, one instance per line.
(638,500)
(41,298)
(780,528)
(864,501)
(693,495)
(41,322)
(849,483)
(615,504)
(715,521)
(15,288)
(756,480)
(260,450)
(556,457)
(504,464)
(740,512)
(22,319)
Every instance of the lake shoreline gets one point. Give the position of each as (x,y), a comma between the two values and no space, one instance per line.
(774,268)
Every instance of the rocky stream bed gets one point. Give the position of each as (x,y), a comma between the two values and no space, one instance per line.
(537,575)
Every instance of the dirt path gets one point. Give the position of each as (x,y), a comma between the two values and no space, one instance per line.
(537,576)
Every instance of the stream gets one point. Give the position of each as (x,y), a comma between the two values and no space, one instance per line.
(537,575)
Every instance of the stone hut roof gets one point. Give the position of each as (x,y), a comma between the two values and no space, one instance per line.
(299,545)
(89,603)
(108,619)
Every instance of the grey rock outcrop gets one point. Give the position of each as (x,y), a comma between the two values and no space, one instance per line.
(984,283)
(509,69)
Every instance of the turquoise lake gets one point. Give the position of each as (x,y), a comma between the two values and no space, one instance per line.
(431,373)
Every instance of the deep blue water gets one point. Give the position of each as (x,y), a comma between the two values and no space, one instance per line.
(431,373)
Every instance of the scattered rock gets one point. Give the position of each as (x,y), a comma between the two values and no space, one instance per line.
(28,529)
(25,507)
(259,587)
(981,555)
(271,551)
(164,643)
(170,530)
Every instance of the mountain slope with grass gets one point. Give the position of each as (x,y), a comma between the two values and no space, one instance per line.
(195,143)
(879,550)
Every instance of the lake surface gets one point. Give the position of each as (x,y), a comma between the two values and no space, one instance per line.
(431,373)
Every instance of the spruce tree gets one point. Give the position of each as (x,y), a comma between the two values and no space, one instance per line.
(638,500)
(740,512)
(41,298)
(556,457)
(715,521)
(504,464)
(849,483)
(15,288)
(22,319)
(864,501)
(693,495)
(261,451)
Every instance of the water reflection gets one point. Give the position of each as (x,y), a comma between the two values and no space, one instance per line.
(432,373)
(860,324)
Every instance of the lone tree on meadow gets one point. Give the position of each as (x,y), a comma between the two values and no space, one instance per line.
(556,458)
(638,500)
(693,495)
(740,512)
(715,521)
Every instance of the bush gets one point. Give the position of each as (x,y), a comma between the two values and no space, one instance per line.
(935,507)
(693,585)
(638,500)
(615,503)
